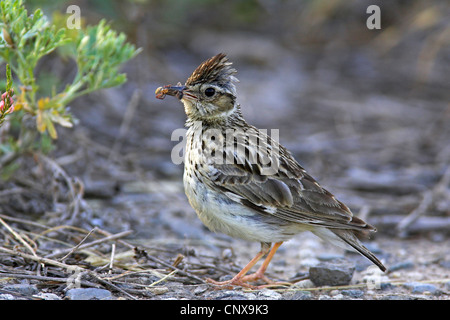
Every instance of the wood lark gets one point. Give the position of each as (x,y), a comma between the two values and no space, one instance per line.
(241,182)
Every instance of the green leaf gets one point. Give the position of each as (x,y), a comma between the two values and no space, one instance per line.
(8,78)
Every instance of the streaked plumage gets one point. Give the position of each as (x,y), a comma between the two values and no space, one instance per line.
(243,183)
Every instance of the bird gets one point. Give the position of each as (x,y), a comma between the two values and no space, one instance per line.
(242,182)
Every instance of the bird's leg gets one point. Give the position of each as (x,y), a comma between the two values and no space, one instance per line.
(259,274)
(237,279)
(241,278)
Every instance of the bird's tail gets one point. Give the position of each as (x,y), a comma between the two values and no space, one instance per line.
(347,238)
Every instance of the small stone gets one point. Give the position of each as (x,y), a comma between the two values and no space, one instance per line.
(267,294)
(298,295)
(47,296)
(88,294)
(353,293)
(22,289)
(304,284)
(334,292)
(331,274)
(230,295)
(227,254)
(200,289)
(339,296)
(158,290)
(417,287)
(386,286)
(7,296)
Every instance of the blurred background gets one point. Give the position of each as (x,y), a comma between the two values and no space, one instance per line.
(366,112)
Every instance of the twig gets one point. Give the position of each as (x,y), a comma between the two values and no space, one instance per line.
(109,284)
(123,242)
(132,273)
(111,262)
(65,266)
(78,245)
(75,193)
(41,259)
(18,237)
(93,243)
(154,259)
(45,278)
(168,265)
(35,224)
(163,278)
(57,228)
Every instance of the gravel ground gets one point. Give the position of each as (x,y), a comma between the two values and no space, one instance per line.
(421,274)
(418,266)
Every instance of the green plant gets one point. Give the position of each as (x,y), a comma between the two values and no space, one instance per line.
(97,50)
(6,102)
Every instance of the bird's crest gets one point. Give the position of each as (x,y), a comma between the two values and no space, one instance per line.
(214,70)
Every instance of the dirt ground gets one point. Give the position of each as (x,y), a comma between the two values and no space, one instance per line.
(365,112)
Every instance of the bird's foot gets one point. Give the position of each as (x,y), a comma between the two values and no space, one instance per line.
(243,282)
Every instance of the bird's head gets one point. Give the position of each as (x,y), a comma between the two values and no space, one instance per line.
(209,93)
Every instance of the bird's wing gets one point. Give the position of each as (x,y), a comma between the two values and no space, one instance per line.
(281,188)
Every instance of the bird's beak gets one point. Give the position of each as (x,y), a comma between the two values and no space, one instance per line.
(178,91)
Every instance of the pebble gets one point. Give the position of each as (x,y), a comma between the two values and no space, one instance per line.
(267,294)
(200,289)
(23,289)
(417,287)
(230,295)
(331,274)
(305,284)
(158,290)
(298,295)
(88,294)
(47,296)
(227,254)
(353,293)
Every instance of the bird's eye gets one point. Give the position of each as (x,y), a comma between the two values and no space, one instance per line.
(209,92)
